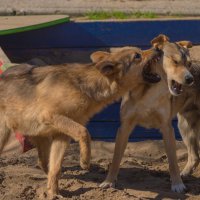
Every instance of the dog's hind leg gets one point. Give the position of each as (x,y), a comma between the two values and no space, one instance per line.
(4,135)
(191,139)
(170,147)
(58,147)
(43,145)
(120,145)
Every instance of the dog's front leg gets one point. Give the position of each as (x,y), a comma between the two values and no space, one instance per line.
(58,146)
(120,145)
(190,137)
(77,132)
(66,129)
(43,145)
(191,141)
(170,147)
(4,135)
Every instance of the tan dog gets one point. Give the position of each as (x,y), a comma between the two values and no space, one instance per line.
(57,101)
(151,106)
(189,120)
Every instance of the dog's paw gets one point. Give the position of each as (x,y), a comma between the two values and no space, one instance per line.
(107,184)
(85,165)
(58,196)
(180,188)
(185,172)
(50,196)
(189,168)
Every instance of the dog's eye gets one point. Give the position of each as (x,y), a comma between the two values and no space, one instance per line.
(175,62)
(137,56)
(189,64)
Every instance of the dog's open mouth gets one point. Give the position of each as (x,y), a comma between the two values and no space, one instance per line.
(148,75)
(175,88)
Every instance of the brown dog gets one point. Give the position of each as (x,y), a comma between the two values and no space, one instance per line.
(189,119)
(57,101)
(151,106)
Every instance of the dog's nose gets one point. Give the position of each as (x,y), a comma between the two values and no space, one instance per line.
(189,79)
(159,52)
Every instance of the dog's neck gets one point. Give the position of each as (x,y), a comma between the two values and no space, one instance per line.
(97,86)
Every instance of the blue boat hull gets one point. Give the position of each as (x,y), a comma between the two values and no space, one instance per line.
(86,37)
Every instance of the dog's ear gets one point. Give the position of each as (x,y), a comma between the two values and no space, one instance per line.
(107,68)
(98,56)
(159,41)
(185,44)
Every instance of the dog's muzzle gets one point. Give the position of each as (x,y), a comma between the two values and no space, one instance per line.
(148,75)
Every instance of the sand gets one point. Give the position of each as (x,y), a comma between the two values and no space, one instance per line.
(143,175)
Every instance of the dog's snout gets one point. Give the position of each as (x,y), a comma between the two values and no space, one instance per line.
(189,79)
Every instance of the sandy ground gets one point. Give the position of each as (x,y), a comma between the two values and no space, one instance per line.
(143,175)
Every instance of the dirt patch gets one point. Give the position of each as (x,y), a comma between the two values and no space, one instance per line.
(143,175)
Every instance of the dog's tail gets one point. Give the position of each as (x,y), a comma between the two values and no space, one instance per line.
(17,70)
